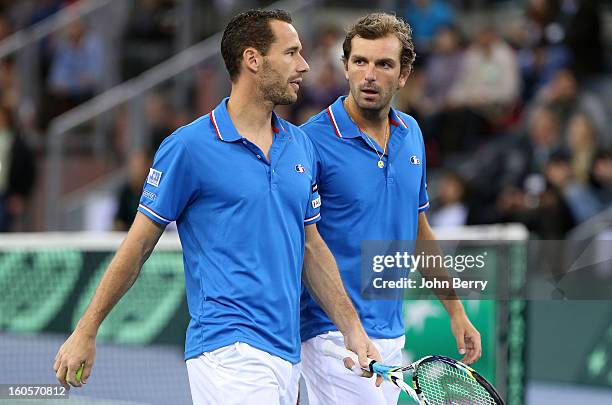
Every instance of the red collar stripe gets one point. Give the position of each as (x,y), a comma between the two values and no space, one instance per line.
(333,120)
(212,118)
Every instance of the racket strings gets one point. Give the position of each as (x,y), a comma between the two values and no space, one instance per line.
(443,384)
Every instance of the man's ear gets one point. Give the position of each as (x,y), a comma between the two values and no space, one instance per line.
(403,77)
(345,65)
(252,60)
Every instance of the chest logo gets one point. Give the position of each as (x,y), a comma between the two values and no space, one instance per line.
(415,160)
(300,169)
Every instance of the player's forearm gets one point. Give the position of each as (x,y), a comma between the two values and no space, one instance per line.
(323,280)
(426,243)
(120,275)
(446,295)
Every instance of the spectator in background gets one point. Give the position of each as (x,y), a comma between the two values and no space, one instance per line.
(76,68)
(326,81)
(539,40)
(426,93)
(542,25)
(525,162)
(426,17)
(511,174)
(538,66)
(483,95)
(327,50)
(564,95)
(17,172)
(129,194)
(531,195)
(541,206)
(441,70)
(452,211)
(488,80)
(579,197)
(601,175)
(582,144)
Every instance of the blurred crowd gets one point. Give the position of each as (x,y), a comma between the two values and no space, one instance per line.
(515,114)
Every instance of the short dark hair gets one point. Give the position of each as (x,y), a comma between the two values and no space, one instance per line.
(248,29)
(379,25)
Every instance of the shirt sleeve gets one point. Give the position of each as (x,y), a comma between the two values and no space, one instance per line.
(313,214)
(423,197)
(170,185)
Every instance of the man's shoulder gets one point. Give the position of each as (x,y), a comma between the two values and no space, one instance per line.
(195,131)
(317,120)
(411,125)
(319,127)
(408,120)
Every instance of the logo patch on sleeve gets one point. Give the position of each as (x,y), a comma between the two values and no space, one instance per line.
(415,160)
(316,203)
(314,188)
(151,196)
(300,169)
(154,177)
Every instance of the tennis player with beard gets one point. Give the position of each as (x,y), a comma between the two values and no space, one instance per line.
(371,177)
(240,184)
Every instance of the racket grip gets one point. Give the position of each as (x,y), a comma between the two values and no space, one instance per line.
(331,349)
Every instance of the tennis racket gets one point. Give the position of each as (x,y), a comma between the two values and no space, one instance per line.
(436,380)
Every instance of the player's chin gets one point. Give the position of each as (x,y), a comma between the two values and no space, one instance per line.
(287,99)
(370,104)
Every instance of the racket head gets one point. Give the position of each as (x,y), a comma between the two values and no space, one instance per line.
(443,380)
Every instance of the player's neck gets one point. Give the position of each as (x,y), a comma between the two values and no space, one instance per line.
(250,116)
(374,123)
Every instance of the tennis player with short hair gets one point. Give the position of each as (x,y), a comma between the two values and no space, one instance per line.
(240,183)
(371,178)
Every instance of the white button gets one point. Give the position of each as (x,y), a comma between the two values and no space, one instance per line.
(258,157)
(244,142)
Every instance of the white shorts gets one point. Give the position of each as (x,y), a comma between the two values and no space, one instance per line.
(329,382)
(241,374)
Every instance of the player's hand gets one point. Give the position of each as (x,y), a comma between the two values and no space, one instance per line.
(358,342)
(467,337)
(78,349)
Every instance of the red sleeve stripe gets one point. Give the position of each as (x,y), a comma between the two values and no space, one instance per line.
(150,211)
(312,218)
(422,207)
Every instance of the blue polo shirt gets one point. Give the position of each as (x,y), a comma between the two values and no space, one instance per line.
(240,219)
(363,202)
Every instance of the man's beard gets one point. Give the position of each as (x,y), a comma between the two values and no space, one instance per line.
(274,87)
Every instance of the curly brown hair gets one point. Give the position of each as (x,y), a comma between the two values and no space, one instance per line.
(379,25)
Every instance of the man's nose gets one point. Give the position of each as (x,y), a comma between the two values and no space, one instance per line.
(370,75)
(303,65)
